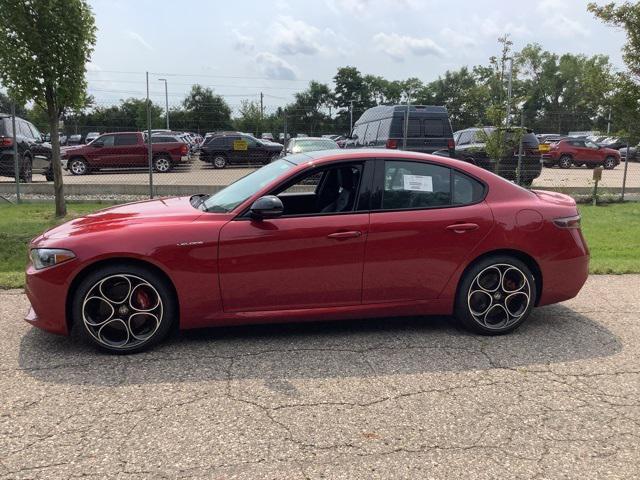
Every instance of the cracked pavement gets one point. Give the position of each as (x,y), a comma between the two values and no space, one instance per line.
(386,398)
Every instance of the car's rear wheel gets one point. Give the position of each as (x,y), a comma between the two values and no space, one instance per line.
(565,161)
(124,308)
(48,175)
(609,163)
(162,164)
(78,166)
(495,295)
(219,161)
(26,172)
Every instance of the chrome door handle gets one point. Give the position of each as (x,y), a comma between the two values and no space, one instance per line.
(463,227)
(344,235)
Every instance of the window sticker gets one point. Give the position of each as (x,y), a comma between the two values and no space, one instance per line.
(240,145)
(418,183)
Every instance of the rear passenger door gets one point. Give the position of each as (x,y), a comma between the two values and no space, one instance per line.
(128,152)
(426,219)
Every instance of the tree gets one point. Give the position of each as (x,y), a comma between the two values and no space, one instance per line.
(205,110)
(44,47)
(626,16)
(5,106)
(249,118)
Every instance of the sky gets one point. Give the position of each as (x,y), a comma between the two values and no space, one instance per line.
(245,47)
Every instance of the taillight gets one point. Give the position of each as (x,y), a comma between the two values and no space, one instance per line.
(567,222)
(451,144)
(184,149)
(392,143)
(6,141)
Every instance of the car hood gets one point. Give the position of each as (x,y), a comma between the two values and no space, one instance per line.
(161,211)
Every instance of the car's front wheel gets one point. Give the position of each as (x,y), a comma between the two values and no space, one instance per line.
(124,308)
(26,172)
(495,295)
(609,163)
(162,164)
(78,166)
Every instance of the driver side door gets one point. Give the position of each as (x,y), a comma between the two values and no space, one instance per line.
(303,259)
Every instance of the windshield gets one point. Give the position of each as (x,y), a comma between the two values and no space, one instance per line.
(313,145)
(236,193)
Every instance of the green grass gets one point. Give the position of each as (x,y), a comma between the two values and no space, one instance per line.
(612,232)
(18,225)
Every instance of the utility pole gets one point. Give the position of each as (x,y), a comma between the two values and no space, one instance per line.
(406,122)
(507,120)
(149,146)
(166,99)
(609,122)
(350,117)
(261,105)
(16,160)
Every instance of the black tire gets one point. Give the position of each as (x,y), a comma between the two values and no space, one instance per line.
(114,329)
(26,171)
(219,161)
(609,163)
(162,164)
(565,161)
(78,166)
(579,164)
(48,175)
(504,308)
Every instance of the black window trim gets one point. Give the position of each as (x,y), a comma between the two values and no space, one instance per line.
(378,186)
(363,195)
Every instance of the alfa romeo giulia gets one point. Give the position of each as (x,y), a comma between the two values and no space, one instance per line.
(318,236)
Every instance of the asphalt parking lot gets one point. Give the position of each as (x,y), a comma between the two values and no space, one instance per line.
(390,398)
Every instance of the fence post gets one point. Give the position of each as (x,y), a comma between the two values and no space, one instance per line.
(16,160)
(406,124)
(149,145)
(624,175)
(284,127)
(519,168)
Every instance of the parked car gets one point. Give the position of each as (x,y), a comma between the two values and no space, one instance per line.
(579,152)
(34,155)
(383,126)
(75,139)
(46,137)
(287,242)
(615,143)
(470,147)
(267,136)
(632,154)
(91,136)
(238,149)
(122,150)
(340,140)
(310,144)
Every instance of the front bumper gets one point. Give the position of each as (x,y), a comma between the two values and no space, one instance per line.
(47,292)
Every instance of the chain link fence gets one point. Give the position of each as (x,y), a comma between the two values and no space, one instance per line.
(108,156)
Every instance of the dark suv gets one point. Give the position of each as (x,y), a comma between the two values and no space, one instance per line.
(470,147)
(34,155)
(383,127)
(238,149)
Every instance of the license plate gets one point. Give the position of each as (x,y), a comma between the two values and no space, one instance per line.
(544,147)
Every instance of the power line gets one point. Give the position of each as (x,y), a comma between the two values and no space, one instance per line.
(121,72)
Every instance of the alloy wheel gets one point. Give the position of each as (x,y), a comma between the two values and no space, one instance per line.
(609,163)
(162,165)
(219,162)
(78,167)
(565,162)
(122,311)
(499,296)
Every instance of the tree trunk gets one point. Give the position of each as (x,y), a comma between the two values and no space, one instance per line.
(56,166)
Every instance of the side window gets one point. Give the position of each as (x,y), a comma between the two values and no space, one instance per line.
(107,140)
(433,127)
(360,131)
(415,185)
(372,133)
(326,191)
(23,129)
(250,141)
(34,131)
(466,190)
(465,138)
(126,139)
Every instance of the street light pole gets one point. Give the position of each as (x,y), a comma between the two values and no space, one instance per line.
(166,99)
(350,117)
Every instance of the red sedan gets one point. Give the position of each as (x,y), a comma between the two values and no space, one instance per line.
(316,236)
(579,152)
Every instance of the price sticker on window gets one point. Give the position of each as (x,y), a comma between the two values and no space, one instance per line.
(418,183)
(240,145)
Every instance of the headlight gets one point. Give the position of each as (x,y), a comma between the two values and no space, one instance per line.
(48,257)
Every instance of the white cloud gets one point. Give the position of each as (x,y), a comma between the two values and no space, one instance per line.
(292,37)
(138,38)
(400,46)
(275,67)
(495,27)
(457,39)
(243,43)
(563,26)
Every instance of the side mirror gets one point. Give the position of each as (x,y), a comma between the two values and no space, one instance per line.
(97,144)
(269,206)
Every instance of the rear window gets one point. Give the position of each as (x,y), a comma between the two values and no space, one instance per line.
(4,127)
(434,127)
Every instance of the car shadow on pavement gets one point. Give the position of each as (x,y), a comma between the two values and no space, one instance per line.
(362,348)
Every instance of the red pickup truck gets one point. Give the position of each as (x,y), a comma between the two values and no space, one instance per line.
(122,150)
